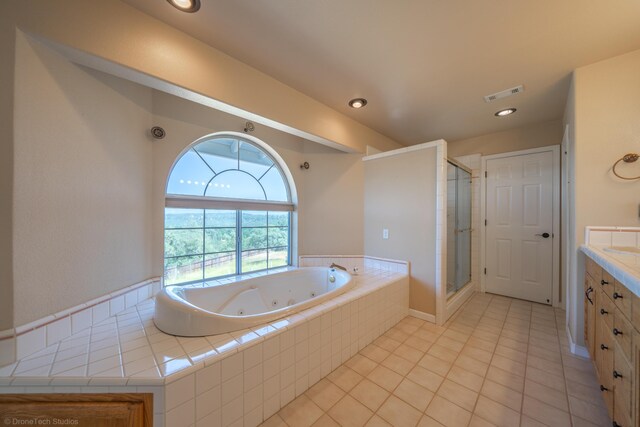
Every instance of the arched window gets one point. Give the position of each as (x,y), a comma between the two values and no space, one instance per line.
(228,212)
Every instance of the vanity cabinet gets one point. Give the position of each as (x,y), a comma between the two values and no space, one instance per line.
(612,337)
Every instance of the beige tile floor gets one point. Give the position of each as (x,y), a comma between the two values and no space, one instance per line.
(498,362)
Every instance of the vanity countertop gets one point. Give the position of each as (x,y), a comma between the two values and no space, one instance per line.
(625,268)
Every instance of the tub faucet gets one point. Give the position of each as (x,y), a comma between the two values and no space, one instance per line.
(334,265)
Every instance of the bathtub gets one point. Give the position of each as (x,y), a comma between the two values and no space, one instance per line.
(196,310)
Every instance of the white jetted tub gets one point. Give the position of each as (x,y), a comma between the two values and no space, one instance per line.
(194,310)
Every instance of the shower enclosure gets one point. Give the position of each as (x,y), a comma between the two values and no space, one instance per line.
(458,227)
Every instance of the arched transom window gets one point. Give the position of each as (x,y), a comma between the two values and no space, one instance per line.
(227,212)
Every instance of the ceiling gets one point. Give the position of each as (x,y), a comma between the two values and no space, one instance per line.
(424,65)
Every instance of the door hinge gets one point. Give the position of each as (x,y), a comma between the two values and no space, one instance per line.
(485,174)
(485,222)
(485,271)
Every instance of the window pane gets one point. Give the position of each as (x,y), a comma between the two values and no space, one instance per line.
(182,218)
(253,160)
(279,219)
(220,240)
(189,176)
(254,260)
(274,186)
(254,238)
(235,185)
(185,269)
(215,218)
(278,257)
(220,153)
(278,236)
(217,265)
(182,242)
(254,219)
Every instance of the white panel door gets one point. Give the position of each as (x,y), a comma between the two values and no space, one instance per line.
(519,229)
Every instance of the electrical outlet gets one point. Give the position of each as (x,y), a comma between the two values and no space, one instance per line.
(385,233)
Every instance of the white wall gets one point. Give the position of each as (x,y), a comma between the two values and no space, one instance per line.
(400,195)
(603,115)
(82,183)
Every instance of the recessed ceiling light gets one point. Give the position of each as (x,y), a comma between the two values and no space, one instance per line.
(189,6)
(357,103)
(505,112)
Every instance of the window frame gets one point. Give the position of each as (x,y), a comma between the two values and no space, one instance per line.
(238,205)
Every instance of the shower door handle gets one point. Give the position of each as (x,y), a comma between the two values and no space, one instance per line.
(545,235)
(464,230)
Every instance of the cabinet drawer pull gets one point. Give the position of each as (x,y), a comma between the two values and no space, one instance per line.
(603,311)
(616,331)
(617,375)
(603,388)
(603,347)
(603,282)
(617,295)
(586,294)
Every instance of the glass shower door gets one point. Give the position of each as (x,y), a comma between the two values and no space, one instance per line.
(458,228)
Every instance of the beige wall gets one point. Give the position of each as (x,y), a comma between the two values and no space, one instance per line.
(113,31)
(109,35)
(329,194)
(604,113)
(82,183)
(400,194)
(7,44)
(90,182)
(607,126)
(522,138)
(332,202)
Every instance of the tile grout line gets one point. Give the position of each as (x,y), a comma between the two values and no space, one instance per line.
(465,344)
(454,363)
(526,366)
(492,356)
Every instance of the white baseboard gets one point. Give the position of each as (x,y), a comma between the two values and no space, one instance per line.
(576,349)
(422,315)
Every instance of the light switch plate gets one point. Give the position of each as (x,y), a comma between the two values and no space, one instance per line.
(385,233)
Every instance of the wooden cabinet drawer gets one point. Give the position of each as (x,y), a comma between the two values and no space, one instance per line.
(605,309)
(623,298)
(635,312)
(594,269)
(623,390)
(605,345)
(607,283)
(604,363)
(623,334)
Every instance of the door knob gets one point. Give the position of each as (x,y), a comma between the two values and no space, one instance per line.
(545,235)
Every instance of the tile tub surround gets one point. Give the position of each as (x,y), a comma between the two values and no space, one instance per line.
(242,377)
(24,340)
(355,264)
(624,268)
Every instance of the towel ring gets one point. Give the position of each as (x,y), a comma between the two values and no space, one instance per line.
(627,158)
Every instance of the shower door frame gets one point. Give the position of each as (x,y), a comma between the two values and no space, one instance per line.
(467,170)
